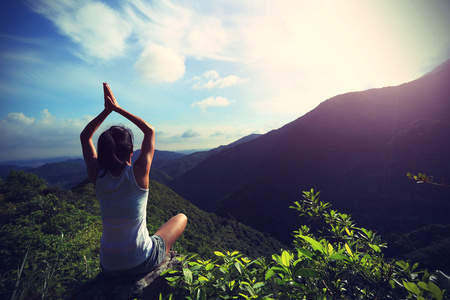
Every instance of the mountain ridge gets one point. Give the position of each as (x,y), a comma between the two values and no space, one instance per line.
(341,148)
(69,172)
(176,167)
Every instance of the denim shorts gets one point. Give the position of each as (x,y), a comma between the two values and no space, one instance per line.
(152,262)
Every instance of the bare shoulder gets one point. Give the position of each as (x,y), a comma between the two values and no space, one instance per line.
(92,169)
(141,175)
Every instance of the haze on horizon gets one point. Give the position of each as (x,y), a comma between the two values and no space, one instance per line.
(203,73)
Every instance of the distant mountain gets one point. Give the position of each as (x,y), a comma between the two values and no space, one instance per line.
(160,158)
(49,168)
(356,148)
(34,163)
(176,167)
(5,169)
(67,174)
(70,172)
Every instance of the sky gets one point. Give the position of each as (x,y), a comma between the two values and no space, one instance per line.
(203,73)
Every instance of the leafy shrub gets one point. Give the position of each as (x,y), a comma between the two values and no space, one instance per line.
(339,261)
(45,247)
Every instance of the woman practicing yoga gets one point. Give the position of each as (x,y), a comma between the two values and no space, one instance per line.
(122,189)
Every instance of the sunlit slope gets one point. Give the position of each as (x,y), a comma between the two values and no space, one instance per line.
(356,148)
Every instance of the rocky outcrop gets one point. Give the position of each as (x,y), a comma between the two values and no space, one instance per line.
(147,286)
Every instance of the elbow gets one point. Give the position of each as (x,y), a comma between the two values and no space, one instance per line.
(83,136)
(149,130)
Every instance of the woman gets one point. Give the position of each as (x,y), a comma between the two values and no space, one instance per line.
(122,189)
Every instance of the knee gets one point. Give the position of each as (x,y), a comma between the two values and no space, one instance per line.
(182,217)
(181,220)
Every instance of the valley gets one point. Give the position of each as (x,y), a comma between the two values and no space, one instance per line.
(355,148)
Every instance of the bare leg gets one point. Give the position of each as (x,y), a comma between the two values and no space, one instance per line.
(172,230)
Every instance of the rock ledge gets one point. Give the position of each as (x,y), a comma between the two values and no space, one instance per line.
(147,286)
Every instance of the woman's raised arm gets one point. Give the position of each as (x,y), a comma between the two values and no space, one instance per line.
(143,163)
(89,152)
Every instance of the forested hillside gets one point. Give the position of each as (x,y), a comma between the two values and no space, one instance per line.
(167,172)
(67,173)
(56,233)
(356,148)
(50,241)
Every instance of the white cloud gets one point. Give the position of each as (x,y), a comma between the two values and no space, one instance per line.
(17,118)
(296,53)
(324,37)
(190,134)
(217,134)
(211,79)
(46,117)
(24,137)
(200,136)
(160,64)
(22,56)
(212,102)
(183,28)
(175,32)
(98,29)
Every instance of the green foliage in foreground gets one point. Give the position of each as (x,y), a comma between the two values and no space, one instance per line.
(339,261)
(50,241)
(50,237)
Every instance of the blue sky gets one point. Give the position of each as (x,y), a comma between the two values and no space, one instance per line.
(203,73)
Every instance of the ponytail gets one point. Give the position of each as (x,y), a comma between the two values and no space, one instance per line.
(114,148)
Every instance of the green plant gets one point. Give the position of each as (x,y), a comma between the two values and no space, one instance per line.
(229,276)
(42,276)
(423,178)
(44,238)
(337,261)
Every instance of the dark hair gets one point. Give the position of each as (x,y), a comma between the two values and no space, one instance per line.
(114,147)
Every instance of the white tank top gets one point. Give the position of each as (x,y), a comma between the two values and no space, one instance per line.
(123,204)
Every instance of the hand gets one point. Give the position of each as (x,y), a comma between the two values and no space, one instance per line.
(111,103)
